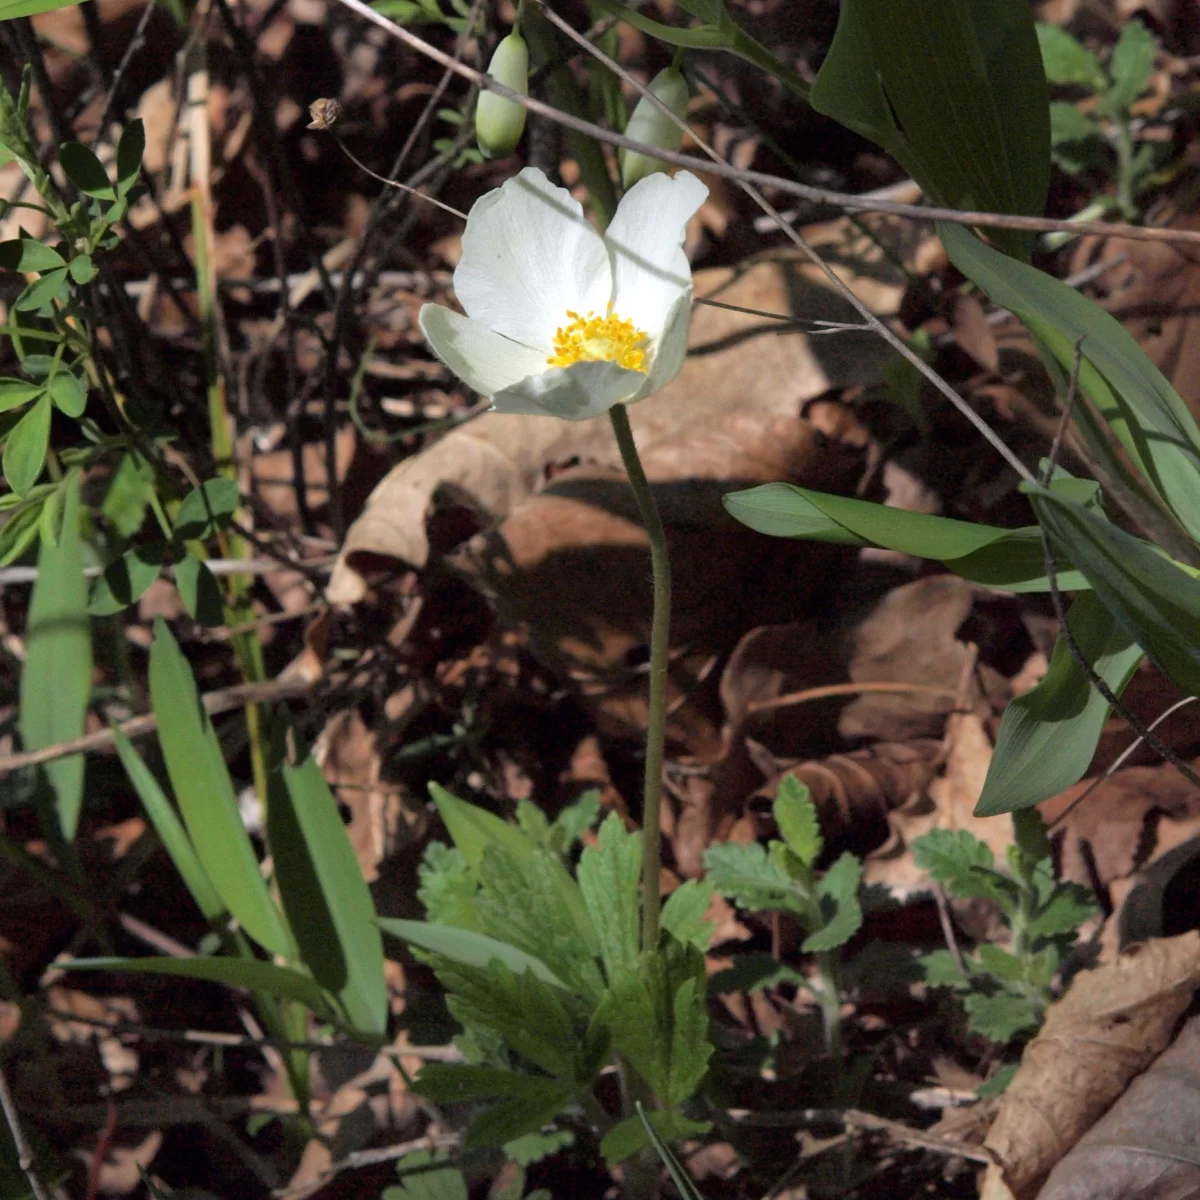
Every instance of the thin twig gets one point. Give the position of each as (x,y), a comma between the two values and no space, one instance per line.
(114,86)
(848,689)
(739,175)
(24,1153)
(372,1158)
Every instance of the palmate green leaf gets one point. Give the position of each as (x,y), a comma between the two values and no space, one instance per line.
(473,829)
(467,947)
(1151,598)
(1010,559)
(206,509)
(963,863)
(26,445)
(56,683)
(324,894)
(200,779)
(170,831)
(249,973)
(1130,66)
(749,877)
(609,875)
(683,914)
(629,1137)
(86,171)
(1067,60)
(448,888)
(1145,413)
(125,580)
(838,892)
(796,816)
(1001,1017)
(1049,734)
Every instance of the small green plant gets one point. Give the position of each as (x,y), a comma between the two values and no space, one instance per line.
(781,877)
(1005,991)
(1104,138)
(543,969)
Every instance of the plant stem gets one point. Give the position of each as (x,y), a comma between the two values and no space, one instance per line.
(656,727)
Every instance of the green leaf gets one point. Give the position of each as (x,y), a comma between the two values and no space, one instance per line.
(683,914)
(129,155)
(51,287)
(448,888)
(68,393)
(1151,598)
(82,269)
(468,947)
(1067,61)
(1001,1017)
(998,1084)
(200,779)
(537,1147)
(679,1177)
(170,831)
(127,497)
(25,254)
(1063,913)
(1130,66)
(838,891)
(249,973)
(961,862)
(1001,964)
(324,894)
(19,532)
(940,969)
(85,171)
(1149,419)
(752,973)
(627,1138)
(424,1179)
(56,683)
(573,822)
(1049,734)
(199,591)
(473,829)
(1010,559)
(609,875)
(206,510)
(15,392)
(25,449)
(125,581)
(796,816)
(749,877)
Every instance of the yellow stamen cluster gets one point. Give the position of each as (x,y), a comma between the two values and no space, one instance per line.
(599,339)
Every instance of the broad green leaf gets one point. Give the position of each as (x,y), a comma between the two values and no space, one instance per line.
(467,947)
(25,448)
(206,509)
(683,914)
(1001,1017)
(249,973)
(1071,124)
(127,497)
(56,683)
(1130,66)
(1064,912)
(125,580)
(609,876)
(199,591)
(200,779)
(838,891)
(424,1179)
(85,171)
(473,829)
(50,288)
(82,269)
(796,816)
(1000,964)
(324,894)
(998,1083)
(1152,599)
(537,1147)
(19,531)
(129,155)
(1068,61)
(690,1045)
(68,393)
(627,1138)
(748,876)
(170,830)
(1130,393)
(25,254)
(940,968)
(15,392)
(961,862)
(1009,559)
(448,888)
(1049,734)
(573,822)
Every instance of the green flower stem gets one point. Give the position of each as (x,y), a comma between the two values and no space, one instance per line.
(656,729)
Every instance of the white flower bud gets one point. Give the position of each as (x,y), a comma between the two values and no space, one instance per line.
(499,122)
(650,125)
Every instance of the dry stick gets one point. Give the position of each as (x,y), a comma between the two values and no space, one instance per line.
(724,170)
(851,689)
(1131,718)
(372,1158)
(24,1153)
(395,183)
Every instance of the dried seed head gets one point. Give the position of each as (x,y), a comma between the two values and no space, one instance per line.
(324,113)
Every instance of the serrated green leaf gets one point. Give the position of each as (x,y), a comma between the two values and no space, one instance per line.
(56,683)
(1000,963)
(749,877)
(68,393)
(1068,61)
(961,862)
(574,821)
(796,816)
(200,779)
(629,1137)
(536,1147)
(130,149)
(1130,66)
(15,392)
(1001,1017)
(683,914)
(468,947)
(1064,912)
(472,829)
(26,445)
(532,822)
(199,591)
(86,171)
(838,891)
(26,254)
(424,1179)
(125,581)
(690,1045)
(448,888)
(940,968)
(249,973)
(206,509)
(324,894)
(1049,734)
(609,876)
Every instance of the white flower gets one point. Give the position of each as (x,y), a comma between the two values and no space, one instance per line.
(561,321)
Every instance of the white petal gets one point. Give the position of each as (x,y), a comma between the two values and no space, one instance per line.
(483,359)
(645,239)
(671,349)
(575,393)
(528,255)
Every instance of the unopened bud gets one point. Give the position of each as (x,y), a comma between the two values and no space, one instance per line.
(499,122)
(650,125)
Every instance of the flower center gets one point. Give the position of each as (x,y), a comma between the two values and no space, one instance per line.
(599,339)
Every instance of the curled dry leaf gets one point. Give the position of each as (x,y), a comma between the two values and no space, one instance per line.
(1111,1024)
